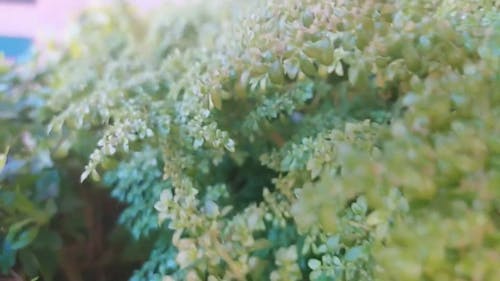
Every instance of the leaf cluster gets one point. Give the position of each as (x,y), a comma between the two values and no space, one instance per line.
(295,140)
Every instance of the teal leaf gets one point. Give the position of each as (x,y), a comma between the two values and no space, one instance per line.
(354,253)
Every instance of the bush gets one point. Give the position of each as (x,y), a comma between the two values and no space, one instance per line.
(51,226)
(29,180)
(295,140)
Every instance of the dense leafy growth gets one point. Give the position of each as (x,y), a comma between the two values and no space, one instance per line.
(29,182)
(294,140)
(51,226)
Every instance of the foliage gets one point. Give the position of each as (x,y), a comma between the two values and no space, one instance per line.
(295,140)
(29,182)
(44,210)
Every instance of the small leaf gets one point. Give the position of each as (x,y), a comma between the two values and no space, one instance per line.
(216,100)
(307,67)
(322,51)
(84,175)
(322,249)
(291,69)
(211,209)
(354,253)
(333,242)
(3,158)
(307,18)
(276,74)
(20,239)
(314,264)
(339,70)
(198,143)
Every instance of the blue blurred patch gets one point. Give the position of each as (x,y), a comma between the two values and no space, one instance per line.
(17,48)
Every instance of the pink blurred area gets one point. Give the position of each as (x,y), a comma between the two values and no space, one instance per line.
(49,18)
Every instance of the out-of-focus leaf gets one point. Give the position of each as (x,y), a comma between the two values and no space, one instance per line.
(3,158)
(21,234)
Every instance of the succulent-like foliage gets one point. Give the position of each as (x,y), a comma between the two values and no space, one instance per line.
(297,139)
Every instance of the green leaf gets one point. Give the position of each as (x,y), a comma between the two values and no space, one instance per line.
(3,158)
(333,243)
(276,73)
(291,68)
(354,253)
(322,51)
(307,18)
(85,174)
(313,264)
(307,67)
(21,234)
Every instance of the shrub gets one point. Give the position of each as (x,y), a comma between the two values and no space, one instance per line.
(51,226)
(29,181)
(296,140)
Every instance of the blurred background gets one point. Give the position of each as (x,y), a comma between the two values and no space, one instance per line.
(26,23)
